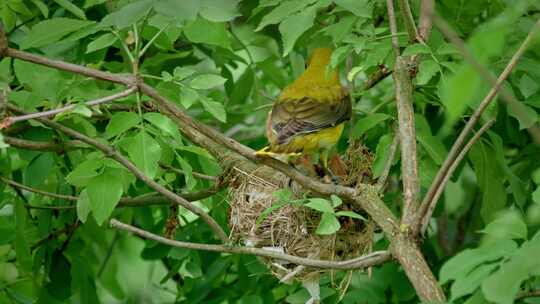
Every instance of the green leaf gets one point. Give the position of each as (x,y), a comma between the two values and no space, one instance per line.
(101,42)
(84,172)
(382,153)
(474,279)
(351,214)
(320,204)
(507,225)
(164,123)
(328,224)
(181,73)
(416,48)
(525,115)
(536,195)
(104,192)
(120,122)
(433,145)
(215,108)
(536,176)
(361,8)
(460,265)
(128,14)
(46,82)
(84,206)
(188,96)
(21,243)
(204,31)
(219,11)
(294,26)
(51,30)
(39,169)
(426,71)
(145,153)
(207,81)
(72,8)
(365,124)
(180,10)
(336,201)
(283,195)
(284,10)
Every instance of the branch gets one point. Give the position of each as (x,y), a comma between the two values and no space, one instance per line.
(427,7)
(43,145)
(407,139)
(13,119)
(408,20)
(68,230)
(376,77)
(374,258)
(528,294)
(455,150)
(143,200)
(388,165)
(112,153)
(393,26)
(425,220)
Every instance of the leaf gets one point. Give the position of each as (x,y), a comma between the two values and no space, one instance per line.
(474,279)
(525,115)
(365,124)
(426,71)
(84,172)
(328,224)
(104,192)
(507,225)
(84,206)
(381,154)
(128,14)
(145,153)
(120,122)
(181,73)
(294,26)
(101,42)
(351,214)
(45,82)
(320,204)
(219,11)
(336,201)
(416,48)
(460,265)
(433,145)
(207,81)
(215,108)
(536,176)
(536,195)
(72,8)
(284,10)
(361,8)
(204,31)
(181,10)
(51,30)
(38,169)
(164,123)
(59,283)
(21,244)
(188,96)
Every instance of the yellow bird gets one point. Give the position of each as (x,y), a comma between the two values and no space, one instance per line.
(309,115)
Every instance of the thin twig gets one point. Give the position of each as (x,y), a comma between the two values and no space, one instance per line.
(374,258)
(528,294)
(393,26)
(408,20)
(147,199)
(112,153)
(376,77)
(56,233)
(454,151)
(195,174)
(43,145)
(381,181)
(11,120)
(427,7)
(451,169)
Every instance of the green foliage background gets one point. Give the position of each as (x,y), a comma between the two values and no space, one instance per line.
(224,62)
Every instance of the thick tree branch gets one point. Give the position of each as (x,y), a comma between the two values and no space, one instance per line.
(112,153)
(371,259)
(425,220)
(13,119)
(407,139)
(456,147)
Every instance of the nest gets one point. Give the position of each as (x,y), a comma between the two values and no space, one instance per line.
(291,228)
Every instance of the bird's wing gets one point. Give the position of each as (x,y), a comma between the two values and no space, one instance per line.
(291,117)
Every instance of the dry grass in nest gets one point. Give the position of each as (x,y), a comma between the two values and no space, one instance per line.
(291,228)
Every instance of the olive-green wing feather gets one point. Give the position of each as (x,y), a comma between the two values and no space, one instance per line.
(301,116)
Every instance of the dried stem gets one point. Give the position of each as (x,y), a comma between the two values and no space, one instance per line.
(374,258)
(428,201)
(13,119)
(451,169)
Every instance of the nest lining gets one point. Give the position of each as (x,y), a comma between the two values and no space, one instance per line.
(291,228)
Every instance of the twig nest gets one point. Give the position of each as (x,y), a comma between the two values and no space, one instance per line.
(291,228)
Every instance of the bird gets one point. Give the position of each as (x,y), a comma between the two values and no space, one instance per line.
(309,115)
